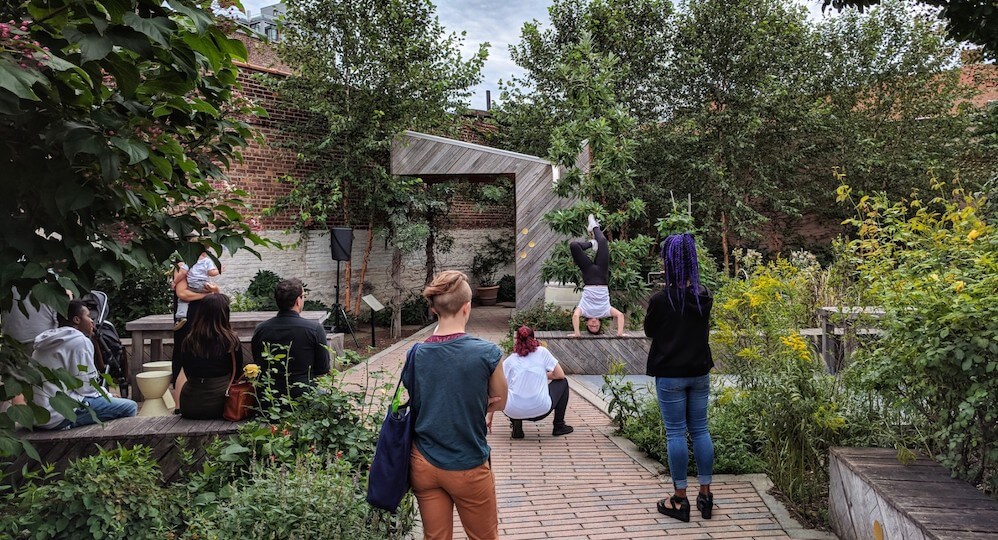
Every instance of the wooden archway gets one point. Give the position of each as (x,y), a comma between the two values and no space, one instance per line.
(439,158)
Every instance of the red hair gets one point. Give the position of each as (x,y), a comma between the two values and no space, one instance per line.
(524,342)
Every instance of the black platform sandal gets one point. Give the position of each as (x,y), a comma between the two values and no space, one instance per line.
(675,507)
(705,504)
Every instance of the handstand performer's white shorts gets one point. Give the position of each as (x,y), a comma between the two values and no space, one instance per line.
(595,301)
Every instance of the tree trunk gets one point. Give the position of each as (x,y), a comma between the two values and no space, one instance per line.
(431,258)
(396,303)
(724,244)
(363,268)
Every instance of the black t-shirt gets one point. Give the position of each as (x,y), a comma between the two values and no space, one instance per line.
(679,332)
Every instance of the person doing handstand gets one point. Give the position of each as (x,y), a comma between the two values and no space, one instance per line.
(595,302)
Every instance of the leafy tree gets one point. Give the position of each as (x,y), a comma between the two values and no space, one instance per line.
(765,105)
(117,121)
(367,70)
(599,128)
(631,30)
(739,81)
(975,21)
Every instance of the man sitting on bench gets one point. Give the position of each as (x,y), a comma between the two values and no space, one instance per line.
(69,347)
(595,302)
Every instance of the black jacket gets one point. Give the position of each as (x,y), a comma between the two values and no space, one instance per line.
(308,357)
(679,332)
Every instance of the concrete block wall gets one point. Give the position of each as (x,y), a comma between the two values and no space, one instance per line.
(310,261)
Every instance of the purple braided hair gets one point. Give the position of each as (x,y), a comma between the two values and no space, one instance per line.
(679,257)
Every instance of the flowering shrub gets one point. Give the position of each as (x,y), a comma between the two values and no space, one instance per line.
(932,263)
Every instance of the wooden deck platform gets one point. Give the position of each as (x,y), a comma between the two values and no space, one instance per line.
(873,495)
(592,355)
(159,433)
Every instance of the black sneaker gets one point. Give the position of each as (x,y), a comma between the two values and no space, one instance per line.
(517,429)
(563,429)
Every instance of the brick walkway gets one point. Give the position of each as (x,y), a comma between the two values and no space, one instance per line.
(589,484)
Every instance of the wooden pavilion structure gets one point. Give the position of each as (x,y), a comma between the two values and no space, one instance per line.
(434,158)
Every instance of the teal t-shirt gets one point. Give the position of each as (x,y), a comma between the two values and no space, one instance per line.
(449,396)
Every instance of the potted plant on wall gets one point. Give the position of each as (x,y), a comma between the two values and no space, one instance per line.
(485,267)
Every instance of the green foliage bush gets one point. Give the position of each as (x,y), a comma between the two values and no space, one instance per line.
(507,289)
(261,289)
(415,310)
(491,258)
(310,498)
(140,293)
(115,495)
(541,317)
(639,419)
(932,263)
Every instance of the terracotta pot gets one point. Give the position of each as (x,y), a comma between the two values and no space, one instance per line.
(487,295)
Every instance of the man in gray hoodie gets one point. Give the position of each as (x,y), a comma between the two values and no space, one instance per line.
(69,347)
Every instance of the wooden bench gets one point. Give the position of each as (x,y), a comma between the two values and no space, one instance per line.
(592,354)
(160,433)
(873,495)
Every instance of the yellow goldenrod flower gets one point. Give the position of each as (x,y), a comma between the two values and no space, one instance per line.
(959,286)
(972,235)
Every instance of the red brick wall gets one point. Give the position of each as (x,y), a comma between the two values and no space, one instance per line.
(265,163)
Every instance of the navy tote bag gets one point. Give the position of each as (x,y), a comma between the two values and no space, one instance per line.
(388,478)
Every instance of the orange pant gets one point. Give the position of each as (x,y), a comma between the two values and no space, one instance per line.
(438,490)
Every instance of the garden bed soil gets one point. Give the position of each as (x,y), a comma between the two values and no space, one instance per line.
(812,519)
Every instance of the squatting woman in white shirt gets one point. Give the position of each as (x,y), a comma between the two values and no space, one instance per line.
(537,385)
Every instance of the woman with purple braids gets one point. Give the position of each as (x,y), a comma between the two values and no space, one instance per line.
(680,360)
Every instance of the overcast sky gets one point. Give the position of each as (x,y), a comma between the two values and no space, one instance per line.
(495,22)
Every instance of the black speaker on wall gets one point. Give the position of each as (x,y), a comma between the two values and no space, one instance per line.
(340,243)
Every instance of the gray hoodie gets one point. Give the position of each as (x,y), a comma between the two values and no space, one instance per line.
(66,348)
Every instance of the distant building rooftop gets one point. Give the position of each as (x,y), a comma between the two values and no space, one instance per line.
(265,22)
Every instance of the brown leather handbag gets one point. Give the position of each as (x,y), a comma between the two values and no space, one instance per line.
(240,397)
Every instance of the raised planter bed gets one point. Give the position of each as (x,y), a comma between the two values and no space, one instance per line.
(873,495)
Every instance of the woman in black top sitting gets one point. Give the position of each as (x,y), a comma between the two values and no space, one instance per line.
(679,359)
(208,354)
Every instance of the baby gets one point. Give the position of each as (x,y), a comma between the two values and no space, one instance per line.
(198,278)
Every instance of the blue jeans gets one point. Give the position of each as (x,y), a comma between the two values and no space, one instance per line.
(683,403)
(104,409)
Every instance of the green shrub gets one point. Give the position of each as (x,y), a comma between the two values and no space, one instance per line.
(507,289)
(309,498)
(933,266)
(639,419)
(415,311)
(115,494)
(261,289)
(326,422)
(141,292)
(542,317)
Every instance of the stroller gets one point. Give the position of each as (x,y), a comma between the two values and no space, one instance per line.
(110,355)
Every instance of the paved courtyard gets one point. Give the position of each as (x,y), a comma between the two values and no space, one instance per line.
(591,484)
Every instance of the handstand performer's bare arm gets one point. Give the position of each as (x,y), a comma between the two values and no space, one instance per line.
(575,322)
(619,317)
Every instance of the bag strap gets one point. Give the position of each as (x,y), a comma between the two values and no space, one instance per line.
(410,360)
(233,381)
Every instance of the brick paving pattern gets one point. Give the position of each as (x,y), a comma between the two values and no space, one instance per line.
(583,485)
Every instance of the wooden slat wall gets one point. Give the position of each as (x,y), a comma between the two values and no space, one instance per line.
(592,355)
(159,433)
(417,154)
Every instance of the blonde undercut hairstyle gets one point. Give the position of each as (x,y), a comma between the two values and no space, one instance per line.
(447,292)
